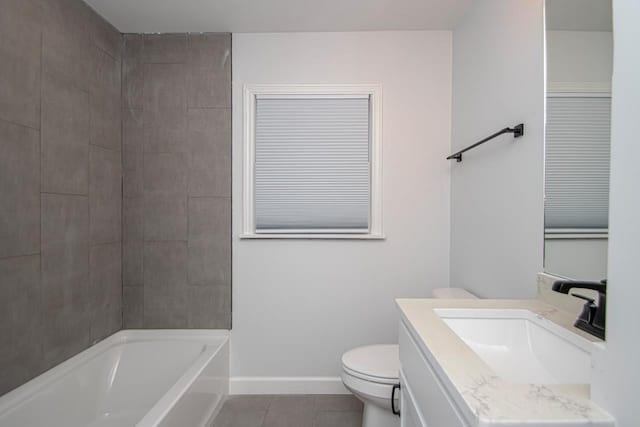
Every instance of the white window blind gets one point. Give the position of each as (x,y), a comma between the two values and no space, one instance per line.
(312,169)
(577,162)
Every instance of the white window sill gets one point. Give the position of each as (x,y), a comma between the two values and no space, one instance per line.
(575,236)
(314,236)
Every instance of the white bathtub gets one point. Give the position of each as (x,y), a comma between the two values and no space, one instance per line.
(133,378)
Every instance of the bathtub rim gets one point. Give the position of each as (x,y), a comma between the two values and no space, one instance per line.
(167,402)
(208,337)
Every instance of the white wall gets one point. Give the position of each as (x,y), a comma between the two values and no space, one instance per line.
(616,376)
(576,258)
(579,56)
(497,191)
(298,305)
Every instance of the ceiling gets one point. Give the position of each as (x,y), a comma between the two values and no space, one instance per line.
(169,16)
(579,15)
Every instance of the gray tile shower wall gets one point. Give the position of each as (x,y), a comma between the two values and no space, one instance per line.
(60,184)
(176,135)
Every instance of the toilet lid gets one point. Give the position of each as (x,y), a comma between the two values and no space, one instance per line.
(377,361)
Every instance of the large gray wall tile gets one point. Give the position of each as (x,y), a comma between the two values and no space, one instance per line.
(165,48)
(105,322)
(65,276)
(209,152)
(21,22)
(210,241)
(106,73)
(165,131)
(20,53)
(209,307)
(132,219)
(132,259)
(19,85)
(165,308)
(165,108)
(209,262)
(208,89)
(132,129)
(209,81)
(210,50)
(66,41)
(105,277)
(164,87)
(165,173)
(132,307)
(20,190)
(106,123)
(65,253)
(165,216)
(132,71)
(65,137)
(133,86)
(132,163)
(165,285)
(20,321)
(105,195)
(166,264)
(104,95)
(105,36)
(210,218)
(65,335)
(133,48)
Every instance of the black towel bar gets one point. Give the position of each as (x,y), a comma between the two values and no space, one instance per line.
(517,132)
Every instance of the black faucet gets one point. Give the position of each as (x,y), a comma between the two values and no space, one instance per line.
(593,317)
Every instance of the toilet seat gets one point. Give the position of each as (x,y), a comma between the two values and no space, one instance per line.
(375,363)
(370,378)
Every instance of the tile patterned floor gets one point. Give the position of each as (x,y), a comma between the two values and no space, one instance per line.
(290,411)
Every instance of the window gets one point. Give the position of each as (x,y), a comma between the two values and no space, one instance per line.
(312,162)
(577,162)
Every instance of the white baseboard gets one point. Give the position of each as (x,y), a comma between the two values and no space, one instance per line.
(286,385)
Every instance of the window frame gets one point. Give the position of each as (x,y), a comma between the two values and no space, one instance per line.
(374,92)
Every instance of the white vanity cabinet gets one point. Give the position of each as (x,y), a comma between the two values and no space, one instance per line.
(446,383)
(424,401)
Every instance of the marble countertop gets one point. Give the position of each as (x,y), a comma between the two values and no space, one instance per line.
(477,389)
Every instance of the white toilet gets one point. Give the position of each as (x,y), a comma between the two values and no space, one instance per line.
(371,372)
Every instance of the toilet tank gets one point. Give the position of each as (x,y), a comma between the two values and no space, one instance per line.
(452,293)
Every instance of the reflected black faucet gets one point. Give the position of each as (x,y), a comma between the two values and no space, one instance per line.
(593,316)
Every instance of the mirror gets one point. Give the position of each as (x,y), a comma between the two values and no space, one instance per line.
(579,61)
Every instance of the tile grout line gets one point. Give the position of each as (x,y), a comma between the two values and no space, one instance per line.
(52,193)
(144,217)
(187,149)
(90,97)
(122,300)
(19,256)
(40,275)
(22,125)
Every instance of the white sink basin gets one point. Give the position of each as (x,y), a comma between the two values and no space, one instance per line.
(522,347)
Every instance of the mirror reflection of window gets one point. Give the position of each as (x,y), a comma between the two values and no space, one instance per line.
(577,143)
(578,136)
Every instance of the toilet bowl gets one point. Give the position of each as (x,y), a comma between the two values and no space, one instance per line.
(371,372)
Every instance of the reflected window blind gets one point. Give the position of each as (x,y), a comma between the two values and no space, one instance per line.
(577,162)
(312,170)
